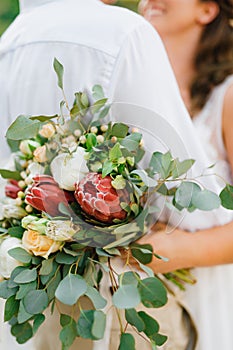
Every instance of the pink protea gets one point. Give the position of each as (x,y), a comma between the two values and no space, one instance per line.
(12,189)
(45,195)
(99,199)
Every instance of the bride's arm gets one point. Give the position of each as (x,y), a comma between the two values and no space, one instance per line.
(207,247)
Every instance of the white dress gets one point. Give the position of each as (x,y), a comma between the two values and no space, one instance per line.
(211,299)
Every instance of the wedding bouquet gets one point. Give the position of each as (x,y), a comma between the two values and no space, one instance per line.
(75,198)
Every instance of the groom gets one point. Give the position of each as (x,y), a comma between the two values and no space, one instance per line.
(97,44)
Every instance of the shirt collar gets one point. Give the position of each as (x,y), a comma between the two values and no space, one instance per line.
(30,4)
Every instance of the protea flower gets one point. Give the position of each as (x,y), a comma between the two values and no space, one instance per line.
(12,189)
(99,199)
(45,195)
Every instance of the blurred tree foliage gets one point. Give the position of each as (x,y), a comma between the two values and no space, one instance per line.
(9,10)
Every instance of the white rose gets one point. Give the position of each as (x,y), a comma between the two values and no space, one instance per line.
(7,263)
(67,169)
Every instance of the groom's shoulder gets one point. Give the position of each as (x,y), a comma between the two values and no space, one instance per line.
(88,22)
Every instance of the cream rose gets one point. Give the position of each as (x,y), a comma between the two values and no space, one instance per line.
(7,263)
(67,169)
(40,154)
(39,245)
(48,130)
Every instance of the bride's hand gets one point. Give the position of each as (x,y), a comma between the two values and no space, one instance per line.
(169,243)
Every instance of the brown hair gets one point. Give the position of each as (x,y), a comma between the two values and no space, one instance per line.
(214,59)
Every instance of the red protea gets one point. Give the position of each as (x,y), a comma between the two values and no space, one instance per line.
(99,199)
(46,195)
(12,189)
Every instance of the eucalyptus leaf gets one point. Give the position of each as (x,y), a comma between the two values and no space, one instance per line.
(23,128)
(180,168)
(26,276)
(22,332)
(226,197)
(9,174)
(133,318)
(152,292)
(120,130)
(36,301)
(38,320)
(127,342)
(151,325)
(20,254)
(70,289)
(99,324)
(185,193)
(11,308)
(98,301)
(126,297)
(97,92)
(59,69)
(206,200)
(68,334)
(24,289)
(23,315)
(84,324)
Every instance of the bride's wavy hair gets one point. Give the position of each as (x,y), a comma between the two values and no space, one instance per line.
(214,59)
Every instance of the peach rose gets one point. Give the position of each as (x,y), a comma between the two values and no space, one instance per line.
(40,154)
(48,130)
(38,244)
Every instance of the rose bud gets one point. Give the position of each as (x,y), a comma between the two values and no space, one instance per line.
(12,189)
(99,199)
(45,195)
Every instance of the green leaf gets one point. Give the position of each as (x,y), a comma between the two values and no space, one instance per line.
(47,267)
(132,141)
(159,339)
(128,277)
(142,252)
(151,325)
(52,285)
(126,297)
(9,174)
(63,258)
(14,273)
(99,324)
(6,292)
(68,334)
(119,183)
(185,193)
(98,105)
(24,289)
(98,301)
(26,276)
(147,270)
(206,200)
(119,130)
(161,163)
(226,197)
(22,332)
(97,92)
(36,301)
(181,168)
(11,308)
(91,141)
(16,231)
(21,255)
(152,292)
(38,320)
(70,289)
(23,128)
(84,324)
(108,167)
(127,342)
(65,319)
(43,118)
(134,319)
(148,181)
(115,153)
(58,67)
(23,315)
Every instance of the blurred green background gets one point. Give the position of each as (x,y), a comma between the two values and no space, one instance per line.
(9,10)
